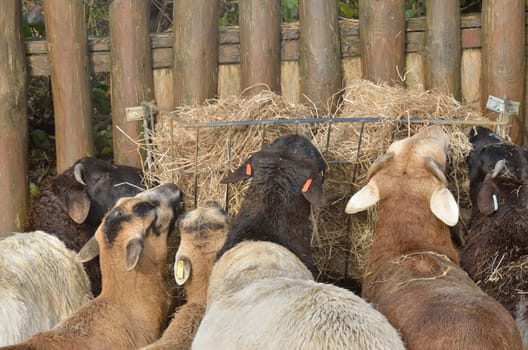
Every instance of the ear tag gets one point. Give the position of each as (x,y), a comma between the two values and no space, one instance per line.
(495,202)
(179,269)
(306,186)
(248,169)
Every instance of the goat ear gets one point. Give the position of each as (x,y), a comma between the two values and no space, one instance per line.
(134,249)
(313,191)
(242,173)
(363,199)
(182,269)
(89,251)
(78,205)
(485,202)
(444,206)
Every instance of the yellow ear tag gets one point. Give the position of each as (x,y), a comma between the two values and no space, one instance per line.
(179,269)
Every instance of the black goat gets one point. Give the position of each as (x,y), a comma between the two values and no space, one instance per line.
(287,176)
(72,204)
(496,252)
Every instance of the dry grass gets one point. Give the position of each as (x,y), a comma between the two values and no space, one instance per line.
(197,158)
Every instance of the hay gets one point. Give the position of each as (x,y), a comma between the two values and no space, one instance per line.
(197,158)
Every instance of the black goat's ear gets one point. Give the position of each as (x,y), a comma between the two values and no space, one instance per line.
(487,199)
(77,205)
(243,172)
(312,190)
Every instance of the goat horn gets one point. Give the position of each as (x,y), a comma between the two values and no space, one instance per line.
(498,168)
(77,172)
(433,166)
(378,164)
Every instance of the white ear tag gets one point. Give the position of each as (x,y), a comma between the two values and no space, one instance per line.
(495,202)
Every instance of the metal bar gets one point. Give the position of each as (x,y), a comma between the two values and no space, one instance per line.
(322,120)
(226,199)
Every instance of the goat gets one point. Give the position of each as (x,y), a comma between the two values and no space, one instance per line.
(72,204)
(132,307)
(261,293)
(203,233)
(413,274)
(41,283)
(496,250)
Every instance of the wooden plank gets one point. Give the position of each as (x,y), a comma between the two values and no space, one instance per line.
(260,49)
(131,68)
(229,39)
(13,121)
(504,56)
(68,56)
(382,27)
(195,47)
(443,47)
(320,70)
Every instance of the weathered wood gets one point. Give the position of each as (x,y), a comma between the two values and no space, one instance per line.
(13,120)
(321,75)
(195,72)
(382,39)
(503,56)
(68,56)
(132,78)
(260,45)
(470,73)
(443,48)
(229,51)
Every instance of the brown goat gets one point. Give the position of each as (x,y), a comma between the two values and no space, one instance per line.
(203,232)
(132,306)
(412,274)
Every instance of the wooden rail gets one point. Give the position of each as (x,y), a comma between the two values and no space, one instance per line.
(229,38)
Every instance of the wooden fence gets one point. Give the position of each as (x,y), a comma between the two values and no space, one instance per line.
(469,56)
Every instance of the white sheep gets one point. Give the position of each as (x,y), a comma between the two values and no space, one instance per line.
(41,283)
(261,292)
(261,296)
(132,307)
(203,232)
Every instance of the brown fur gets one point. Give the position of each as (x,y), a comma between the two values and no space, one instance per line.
(413,275)
(132,306)
(203,232)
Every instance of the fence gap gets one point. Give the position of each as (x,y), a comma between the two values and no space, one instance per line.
(70,83)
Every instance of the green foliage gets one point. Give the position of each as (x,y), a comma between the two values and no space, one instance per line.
(289,10)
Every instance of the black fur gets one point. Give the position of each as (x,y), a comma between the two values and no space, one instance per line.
(274,208)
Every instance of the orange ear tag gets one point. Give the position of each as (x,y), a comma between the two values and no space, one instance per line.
(248,169)
(306,186)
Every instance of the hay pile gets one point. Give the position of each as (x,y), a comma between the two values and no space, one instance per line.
(197,158)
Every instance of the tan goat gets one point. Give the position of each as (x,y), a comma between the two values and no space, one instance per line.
(413,274)
(132,306)
(203,232)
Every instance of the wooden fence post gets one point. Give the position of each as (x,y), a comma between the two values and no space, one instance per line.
(68,54)
(321,74)
(382,40)
(260,45)
(132,75)
(195,71)
(13,120)
(503,57)
(443,48)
